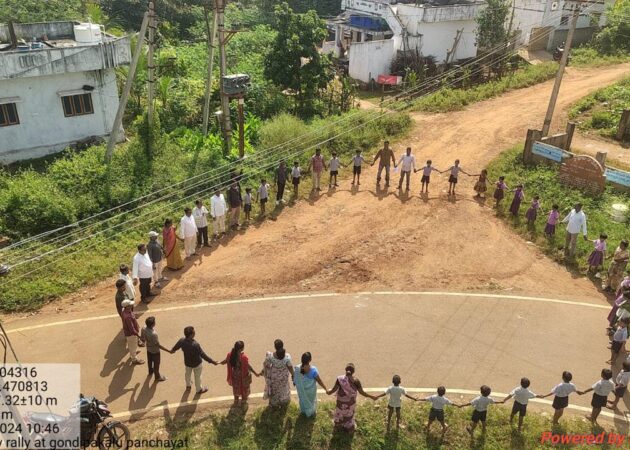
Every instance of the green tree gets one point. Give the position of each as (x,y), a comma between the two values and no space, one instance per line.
(491,24)
(294,62)
(614,37)
(27,11)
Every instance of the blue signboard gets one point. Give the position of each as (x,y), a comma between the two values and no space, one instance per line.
(618,176)
(548,151)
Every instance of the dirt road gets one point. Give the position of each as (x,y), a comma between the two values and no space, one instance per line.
(363,239)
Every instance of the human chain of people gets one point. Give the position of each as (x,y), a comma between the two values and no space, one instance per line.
(146,272)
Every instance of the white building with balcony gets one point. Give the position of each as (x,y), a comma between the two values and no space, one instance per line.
(369,33)
(57,86)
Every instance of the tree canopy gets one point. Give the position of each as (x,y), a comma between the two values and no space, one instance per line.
(491,24)
(615,36)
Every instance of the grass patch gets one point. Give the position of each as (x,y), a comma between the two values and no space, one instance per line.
(600,112)
(590,57)
(543,180)
(75,183)
(266,429)
(448,99)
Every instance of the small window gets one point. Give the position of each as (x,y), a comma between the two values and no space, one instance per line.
(8,115)
(564,20)
(77,105)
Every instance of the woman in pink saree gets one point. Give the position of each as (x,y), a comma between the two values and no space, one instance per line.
(347,387)
(171,249)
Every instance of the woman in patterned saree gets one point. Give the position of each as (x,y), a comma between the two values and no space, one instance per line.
(171,249)
(276,369)
(347,387)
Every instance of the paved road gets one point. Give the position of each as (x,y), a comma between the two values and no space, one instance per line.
(459,340)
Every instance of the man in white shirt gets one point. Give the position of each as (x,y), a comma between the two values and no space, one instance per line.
(408,162)
(200,213)
(188,232)
(142,272)
(218,208)
(576,222)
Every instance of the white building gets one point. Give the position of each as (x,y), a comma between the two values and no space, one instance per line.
(544,24)
(369,33)
(57,86)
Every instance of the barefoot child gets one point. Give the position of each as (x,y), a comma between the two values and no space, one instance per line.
(621,384)
(521,396)
(552,220)
(334,165)
(357,162)
(480,409)
(519,196)
(596,259)
(561,392)
(499,191)
(247,203)
(426,176)
(481,186)
(438,402)
(619,340)
(262,195)
(452,179)
(296,174)
(532,212)
(600,389)
(395,392)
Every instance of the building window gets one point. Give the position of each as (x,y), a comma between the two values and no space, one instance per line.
(564,20)
(8,115)
(77,105)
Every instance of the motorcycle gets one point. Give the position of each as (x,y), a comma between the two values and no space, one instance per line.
(557,53)
(91,413)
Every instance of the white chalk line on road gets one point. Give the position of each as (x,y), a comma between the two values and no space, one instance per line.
(320,295)
(259,395)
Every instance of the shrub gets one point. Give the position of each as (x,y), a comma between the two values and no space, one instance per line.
(603,119)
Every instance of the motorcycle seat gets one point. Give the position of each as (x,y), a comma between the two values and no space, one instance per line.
(47,418)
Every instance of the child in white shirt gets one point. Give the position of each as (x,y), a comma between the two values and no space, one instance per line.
(357,162)
(296,174)
(562,392)
(262,195)
(601,390)
(247,203)
(480,409)
(395,393)
(619,340)
(521,395)
(438,402)
(621,384)
(334,165)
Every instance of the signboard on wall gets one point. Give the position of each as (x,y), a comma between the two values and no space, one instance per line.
(583,172)
(618,177)
(548,151)
(391,80)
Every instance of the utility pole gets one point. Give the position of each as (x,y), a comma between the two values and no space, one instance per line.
(212,37)
(151,64)
(563,64)
(225,100)
(126,90)
(241,128)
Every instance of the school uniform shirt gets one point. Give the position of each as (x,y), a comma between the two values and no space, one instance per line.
(218,206)
(395,396)
(263,191)
(575,221)
(427,171)
(623,378)
(438,402)
(247,200)
(603,387)
(553,217)
(481,403)
(621,335)
(408,162)
(522,395)
(600,245)
(455,171)
(187,227)
(142,266)
(564,389)
(296,172)
(358,160)
(200,215)
(334,164)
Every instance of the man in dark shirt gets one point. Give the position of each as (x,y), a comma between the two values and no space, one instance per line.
(235,201)
(281,181)
(384,156)
(193,356)
(156,253)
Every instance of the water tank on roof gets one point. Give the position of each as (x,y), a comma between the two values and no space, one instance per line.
(87,33)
